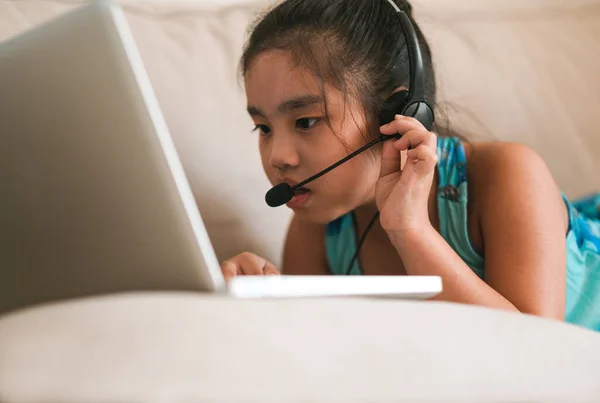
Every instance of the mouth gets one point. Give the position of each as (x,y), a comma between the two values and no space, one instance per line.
(301,195)
(293,183)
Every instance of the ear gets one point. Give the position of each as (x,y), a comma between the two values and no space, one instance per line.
(393,106)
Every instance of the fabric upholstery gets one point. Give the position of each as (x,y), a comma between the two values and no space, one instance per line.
(517,70)
(512,70)
(184,348)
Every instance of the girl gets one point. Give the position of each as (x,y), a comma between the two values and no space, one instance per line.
(486,217)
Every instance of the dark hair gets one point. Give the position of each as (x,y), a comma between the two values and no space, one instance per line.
(355,45)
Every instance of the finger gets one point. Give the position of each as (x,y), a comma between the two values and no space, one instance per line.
(230,269)
(421,153)
(415,138)
(423,159)
(270,269)
(251,264)
(390,159)
(401,124)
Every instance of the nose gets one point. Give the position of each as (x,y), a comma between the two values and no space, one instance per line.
(283,152)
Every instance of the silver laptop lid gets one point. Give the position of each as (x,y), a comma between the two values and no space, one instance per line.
(93,196)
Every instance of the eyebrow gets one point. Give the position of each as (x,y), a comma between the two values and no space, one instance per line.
(300,102)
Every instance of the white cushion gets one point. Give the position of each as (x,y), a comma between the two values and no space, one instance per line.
(522,70)
(186,348)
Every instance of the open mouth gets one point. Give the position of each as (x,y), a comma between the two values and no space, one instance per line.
(301,197)
(301,191)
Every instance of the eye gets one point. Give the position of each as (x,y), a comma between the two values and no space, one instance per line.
(306,123)
(263,129)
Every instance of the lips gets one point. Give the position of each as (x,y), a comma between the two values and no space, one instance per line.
(288,181)
(300,199)
(293,183)
(301,195)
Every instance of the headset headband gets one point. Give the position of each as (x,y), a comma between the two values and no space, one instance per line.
(414,103)
(416,90)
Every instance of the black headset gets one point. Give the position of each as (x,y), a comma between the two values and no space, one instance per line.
(407,103)
(412,102)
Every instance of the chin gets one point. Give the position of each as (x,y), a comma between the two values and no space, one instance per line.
(320,215)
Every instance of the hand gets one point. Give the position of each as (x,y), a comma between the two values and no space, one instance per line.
(248,264)
(402,195)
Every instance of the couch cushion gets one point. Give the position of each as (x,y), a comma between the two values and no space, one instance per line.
(189,348)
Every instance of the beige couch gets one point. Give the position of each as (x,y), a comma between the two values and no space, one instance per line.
(524,70)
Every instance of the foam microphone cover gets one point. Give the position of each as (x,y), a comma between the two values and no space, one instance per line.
(279,195)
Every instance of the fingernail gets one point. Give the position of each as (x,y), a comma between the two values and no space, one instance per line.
(399,116)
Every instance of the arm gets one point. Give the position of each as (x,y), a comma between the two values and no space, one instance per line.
(524,224)
(304,249)
(522,221)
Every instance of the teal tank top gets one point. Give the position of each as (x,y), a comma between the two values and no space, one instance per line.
(583,237)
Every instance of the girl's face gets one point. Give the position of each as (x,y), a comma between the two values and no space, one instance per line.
(295,141)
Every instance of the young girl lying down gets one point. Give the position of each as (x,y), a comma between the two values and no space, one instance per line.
(486,217)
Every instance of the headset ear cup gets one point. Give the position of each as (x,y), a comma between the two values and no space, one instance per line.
(393,106)
(421,111)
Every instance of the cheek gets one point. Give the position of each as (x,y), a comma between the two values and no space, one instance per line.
(265,160)
(357,175)
(354,179)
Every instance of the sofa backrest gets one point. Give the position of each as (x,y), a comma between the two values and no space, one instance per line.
(517,70)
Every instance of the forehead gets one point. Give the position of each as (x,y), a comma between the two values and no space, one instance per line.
(273,77)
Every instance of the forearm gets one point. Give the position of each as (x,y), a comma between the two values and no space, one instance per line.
(426,252)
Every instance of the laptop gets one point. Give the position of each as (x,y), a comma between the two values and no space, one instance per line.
(94,198)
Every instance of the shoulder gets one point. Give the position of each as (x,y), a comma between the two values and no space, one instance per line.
(506,173)
(508,166)
(495,158)
(304,250)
